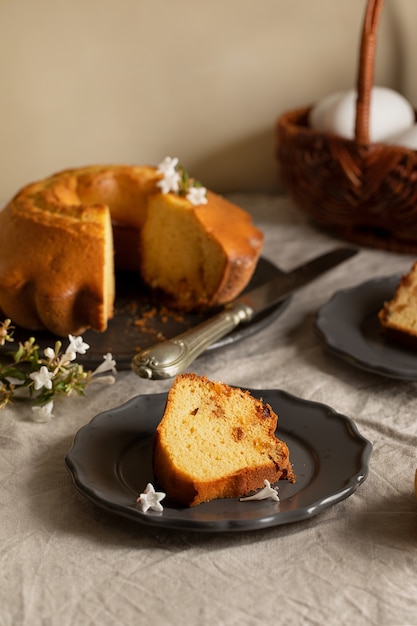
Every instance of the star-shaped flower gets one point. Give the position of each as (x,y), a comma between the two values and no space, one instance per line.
(77,345)
(169,183)
(197,195)
(175,179)
(264,494)
(151,499)
(45,376)
(42,378)
(107,364)
(43,413)
(168,166)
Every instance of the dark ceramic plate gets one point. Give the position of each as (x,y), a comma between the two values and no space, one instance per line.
(349,326)
(139,322)
(110,462)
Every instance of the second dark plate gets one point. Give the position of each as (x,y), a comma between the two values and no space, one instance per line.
(349,326)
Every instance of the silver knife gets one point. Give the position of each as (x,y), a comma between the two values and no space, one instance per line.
(170,357)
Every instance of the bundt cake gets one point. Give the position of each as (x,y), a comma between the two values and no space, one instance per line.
(61,237)
(216,441)
(398,316)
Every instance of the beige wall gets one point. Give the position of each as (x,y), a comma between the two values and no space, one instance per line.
(90,81)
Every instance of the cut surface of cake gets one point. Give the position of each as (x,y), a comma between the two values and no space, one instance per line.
(398,316)
(61,238)
(198,256)
(216,441)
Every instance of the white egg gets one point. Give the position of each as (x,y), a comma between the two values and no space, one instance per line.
(407,138)
(390,113)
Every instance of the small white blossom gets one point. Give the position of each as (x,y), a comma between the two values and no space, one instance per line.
(43,413)
(107,364)
(42,378)
(151,499)
(167,166)
(169,183)
(54,373)
(197,195)
(264,494)
(49,353)
(68,356)
(77,345)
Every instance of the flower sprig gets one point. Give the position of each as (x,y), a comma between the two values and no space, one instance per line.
(176,179)
(45,377)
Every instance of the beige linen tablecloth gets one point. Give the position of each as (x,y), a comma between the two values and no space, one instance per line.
(67,562)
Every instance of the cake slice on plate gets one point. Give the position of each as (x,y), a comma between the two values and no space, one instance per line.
(216,441)
(398,316)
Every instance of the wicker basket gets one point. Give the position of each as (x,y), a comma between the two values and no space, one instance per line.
(364,192)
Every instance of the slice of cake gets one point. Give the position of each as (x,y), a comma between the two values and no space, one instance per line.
(216,441)
(197,256)
(398,316)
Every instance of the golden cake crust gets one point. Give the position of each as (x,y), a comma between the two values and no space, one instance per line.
(57,247)
(222,247)
(215,441)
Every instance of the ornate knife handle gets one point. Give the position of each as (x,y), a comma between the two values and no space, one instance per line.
(169,358)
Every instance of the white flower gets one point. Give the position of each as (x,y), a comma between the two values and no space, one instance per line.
(151,499)
(43,413)
(68,356)
(77,345)
(49,353)
(264,494)
(107,364)
(167,166)
(169,183)
(197,195)
(43,378)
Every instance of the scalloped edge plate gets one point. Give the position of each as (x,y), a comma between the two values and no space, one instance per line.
(110,463)
(349,326)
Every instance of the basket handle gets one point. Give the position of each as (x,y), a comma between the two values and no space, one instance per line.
(366,69)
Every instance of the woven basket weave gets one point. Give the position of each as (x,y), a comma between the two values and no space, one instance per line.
(364,192)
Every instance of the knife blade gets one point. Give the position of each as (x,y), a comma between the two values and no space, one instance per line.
(168,358)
